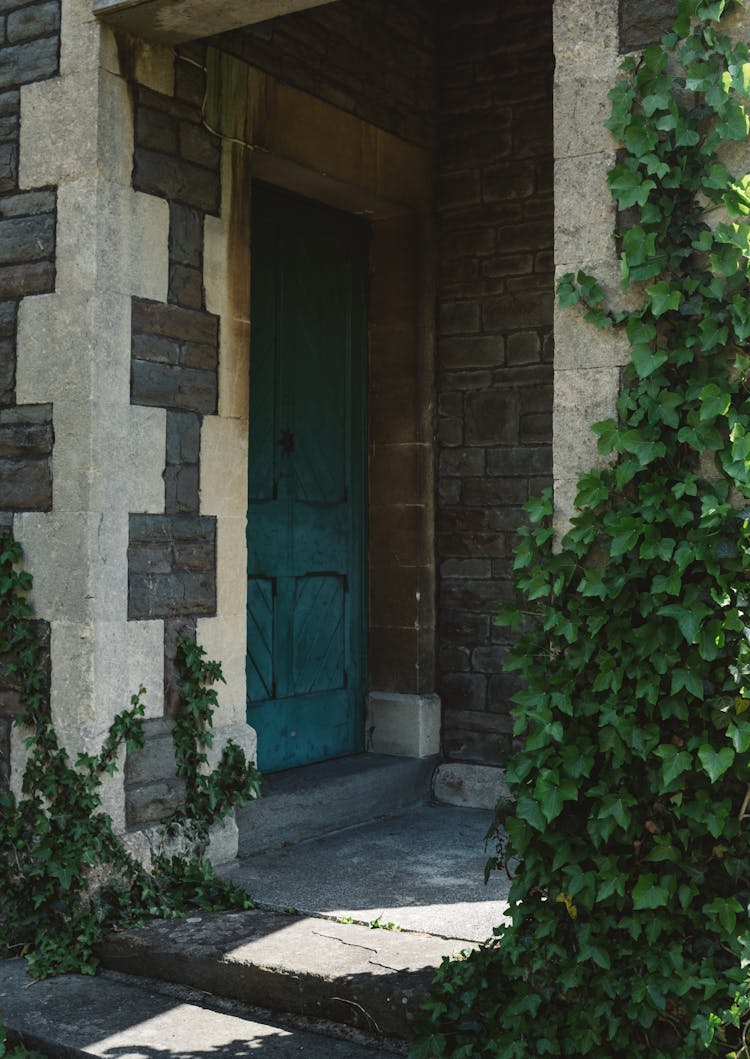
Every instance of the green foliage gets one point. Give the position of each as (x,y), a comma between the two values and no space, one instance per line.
(628,921)
(65,877)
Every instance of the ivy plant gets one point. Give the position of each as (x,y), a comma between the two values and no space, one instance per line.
(65,876)
(629,847)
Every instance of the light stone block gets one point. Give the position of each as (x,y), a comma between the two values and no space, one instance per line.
(565,492)
(223,842)
(581,398)
(113,239)
(578,343)
(584,210)
(471,786)
(224,450)
(582,106)
(224,638)
(154,66)
(226,254)
(58,553)
(403,725)
(584,31)
(242,734)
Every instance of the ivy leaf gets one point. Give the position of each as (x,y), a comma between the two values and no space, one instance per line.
(715,762)
(648,894)
(674,762)
(664,297)
(528,809)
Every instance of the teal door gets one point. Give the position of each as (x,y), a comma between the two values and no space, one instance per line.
(306,514)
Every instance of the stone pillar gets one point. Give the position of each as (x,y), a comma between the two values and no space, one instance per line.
(587,361)
(73,352)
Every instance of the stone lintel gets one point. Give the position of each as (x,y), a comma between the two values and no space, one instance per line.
(177,21)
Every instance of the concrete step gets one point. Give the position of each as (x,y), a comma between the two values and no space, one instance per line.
(314,800)
(372,979)
(112,1015)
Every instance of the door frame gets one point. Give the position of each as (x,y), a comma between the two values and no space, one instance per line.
(310,147)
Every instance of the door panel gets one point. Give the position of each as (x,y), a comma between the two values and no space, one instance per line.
(305,532)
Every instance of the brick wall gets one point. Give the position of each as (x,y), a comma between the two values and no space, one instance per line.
(495,263)
(372,58)
(29,51)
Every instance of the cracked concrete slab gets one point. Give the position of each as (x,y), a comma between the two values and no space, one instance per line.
(422,870)
(372,979)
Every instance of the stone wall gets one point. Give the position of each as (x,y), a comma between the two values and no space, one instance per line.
(494,340)
(174,366)
(372,58)
(29,52)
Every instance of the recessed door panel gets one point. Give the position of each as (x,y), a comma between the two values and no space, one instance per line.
(306,513)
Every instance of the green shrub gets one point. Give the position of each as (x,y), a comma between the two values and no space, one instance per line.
(628,919)
(65,877)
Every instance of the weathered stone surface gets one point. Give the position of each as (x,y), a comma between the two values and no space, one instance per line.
(153,790)
(34,60)
(26,432)
(185,235)
(173,321)
(176,179)
(34,20)
(25,485)
(171,566)
(18,280)
(24,239)
(476,786)
(168,386)
(644,21)
(494,387)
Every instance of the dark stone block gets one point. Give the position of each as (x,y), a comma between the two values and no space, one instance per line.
(190,83)
(491,417)
(183,437)
(185,235)
(171,566)
(10,126)
(173,629)
(199,146)
(8,166)
(155,760)
(181,489)
(26,432)
(155,131)
(176,179)
(174,321)
(644,21)
(34,60)
(185,286)
(10,103)
(25,239)
(167,386)
(155,349)
(27,204)
(153,804)
(18,280)
(34,20)
(25,485)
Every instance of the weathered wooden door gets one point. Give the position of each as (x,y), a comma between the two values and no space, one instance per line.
(307,482)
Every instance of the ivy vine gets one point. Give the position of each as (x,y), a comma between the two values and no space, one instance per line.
(629,849)
(65,876)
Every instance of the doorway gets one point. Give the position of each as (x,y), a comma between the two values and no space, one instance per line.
(307,475)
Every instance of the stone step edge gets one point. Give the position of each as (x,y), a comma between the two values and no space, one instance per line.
(227,955)
(123,988)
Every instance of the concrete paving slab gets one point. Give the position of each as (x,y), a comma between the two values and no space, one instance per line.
(78,1017)
(371,979)
(302,803)
(422,870)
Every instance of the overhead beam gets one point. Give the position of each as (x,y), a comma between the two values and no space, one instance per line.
(177,21)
